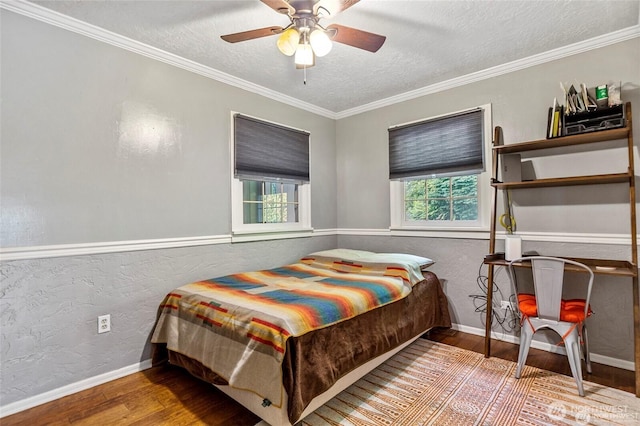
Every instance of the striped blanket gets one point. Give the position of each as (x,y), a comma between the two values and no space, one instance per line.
(238,325)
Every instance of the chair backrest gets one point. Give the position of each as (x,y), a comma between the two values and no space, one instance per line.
(548,280)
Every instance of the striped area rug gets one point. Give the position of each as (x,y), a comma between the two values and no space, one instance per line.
(430,383)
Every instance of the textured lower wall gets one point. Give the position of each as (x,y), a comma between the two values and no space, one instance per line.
(459,264)
(49,307)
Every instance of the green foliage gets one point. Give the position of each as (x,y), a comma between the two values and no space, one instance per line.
(446,198)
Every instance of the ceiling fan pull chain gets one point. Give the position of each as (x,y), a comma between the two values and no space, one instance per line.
(304,69)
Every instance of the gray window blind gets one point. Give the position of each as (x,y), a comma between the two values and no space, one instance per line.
(442,146)
(268,151)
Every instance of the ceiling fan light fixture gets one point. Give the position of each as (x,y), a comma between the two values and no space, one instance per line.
(305,38)
(320,42)
(304,55)
(288,41)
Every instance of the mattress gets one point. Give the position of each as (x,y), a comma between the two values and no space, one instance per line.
(314,361)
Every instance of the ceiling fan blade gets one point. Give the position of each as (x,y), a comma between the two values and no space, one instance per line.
(356,38)
(280,6)
(250,35)
(333,6)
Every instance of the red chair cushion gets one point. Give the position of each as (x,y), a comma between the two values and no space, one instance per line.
(571,310)
(527,304)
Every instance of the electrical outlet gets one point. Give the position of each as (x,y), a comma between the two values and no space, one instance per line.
(104,323)
(505,304)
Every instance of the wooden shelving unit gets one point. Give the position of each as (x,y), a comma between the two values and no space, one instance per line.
(567,181)
(583,139)
(622,268)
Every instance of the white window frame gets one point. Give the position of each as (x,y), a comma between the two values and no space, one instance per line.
(241,231)
(398,220)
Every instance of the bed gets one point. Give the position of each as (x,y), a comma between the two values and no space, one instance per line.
(284,341)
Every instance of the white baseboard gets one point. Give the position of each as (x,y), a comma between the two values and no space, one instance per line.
(536,344)
(52,395)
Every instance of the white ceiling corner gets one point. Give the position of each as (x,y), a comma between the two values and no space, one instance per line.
(431,45)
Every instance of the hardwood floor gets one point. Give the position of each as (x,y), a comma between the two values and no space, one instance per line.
(602,374)
(170,396)
(164,395)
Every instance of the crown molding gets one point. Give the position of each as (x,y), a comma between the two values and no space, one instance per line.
(43,14)
(57,19)
(541,58)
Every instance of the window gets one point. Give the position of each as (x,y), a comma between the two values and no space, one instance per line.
(437,172)
(270,177)
(446,198)
(269,202)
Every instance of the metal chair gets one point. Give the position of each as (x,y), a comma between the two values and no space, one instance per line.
(546,309)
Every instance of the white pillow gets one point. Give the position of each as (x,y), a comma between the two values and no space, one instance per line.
(424,262)
(414,265)
(342,253)
(369,256)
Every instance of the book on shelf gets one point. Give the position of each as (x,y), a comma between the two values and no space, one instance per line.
(581,113)
(589,102)
(577,101)
(555,120)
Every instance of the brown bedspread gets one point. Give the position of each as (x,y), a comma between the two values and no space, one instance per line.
(315,361)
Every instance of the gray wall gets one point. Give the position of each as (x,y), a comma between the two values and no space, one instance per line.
(49,307)
(519,102)
(101,144)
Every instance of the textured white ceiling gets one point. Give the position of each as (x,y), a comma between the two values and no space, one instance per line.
(428,42)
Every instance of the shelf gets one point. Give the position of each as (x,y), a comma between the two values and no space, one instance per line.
(601,267)
(567,181)
(621,268)
(585,138)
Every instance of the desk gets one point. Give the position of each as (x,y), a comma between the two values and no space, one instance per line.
(619,268)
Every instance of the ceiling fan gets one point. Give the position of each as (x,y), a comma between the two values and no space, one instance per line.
(304,37)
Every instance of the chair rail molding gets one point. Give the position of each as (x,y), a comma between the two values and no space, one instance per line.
(63,250)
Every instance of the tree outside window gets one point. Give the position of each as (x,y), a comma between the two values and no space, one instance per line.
(441,199)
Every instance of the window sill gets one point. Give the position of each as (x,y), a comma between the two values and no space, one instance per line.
(241,236)
(449,232)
